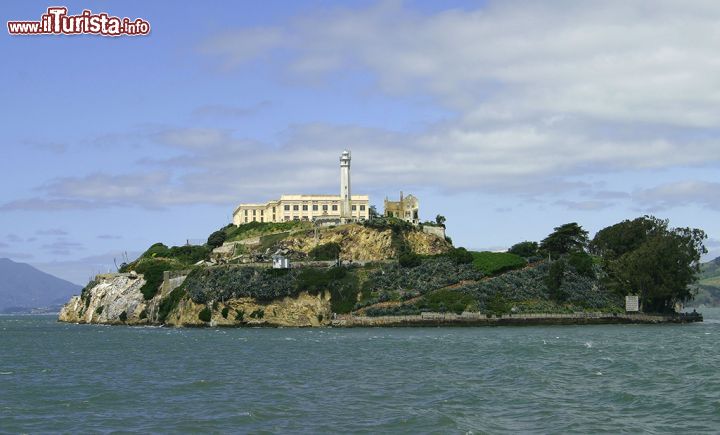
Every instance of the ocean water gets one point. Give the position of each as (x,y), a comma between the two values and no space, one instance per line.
(58,377)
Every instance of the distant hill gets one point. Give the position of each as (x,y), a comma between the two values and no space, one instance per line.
(24,288)
(709,284)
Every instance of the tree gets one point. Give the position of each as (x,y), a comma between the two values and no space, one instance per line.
(554,280)
(524,249)
(372,212)
(646,257)
(628,235)
(440,220)
(565,239)
(216,239)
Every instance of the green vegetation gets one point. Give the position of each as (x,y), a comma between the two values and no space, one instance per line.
(255,229)
(446,300)
(225,312)
(460,256)
(409,259)
(707,290)
(216,239)
(494,263)
(152,270)
(647,257)
(170,302)
(205,314)
(99,310)
(258,314)
(85,292)
(525,249)
(239,315)
(189,254)
(565,239)
(326,252)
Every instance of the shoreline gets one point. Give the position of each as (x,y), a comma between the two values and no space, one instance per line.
(473,319)
(453,320)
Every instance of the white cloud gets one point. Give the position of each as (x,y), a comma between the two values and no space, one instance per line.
(700,193)
(543,94)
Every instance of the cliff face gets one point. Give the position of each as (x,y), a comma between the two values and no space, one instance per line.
(115,294)
(304,310)
(112,295)
(359,243)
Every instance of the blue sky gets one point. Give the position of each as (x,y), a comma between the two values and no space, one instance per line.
(509,118)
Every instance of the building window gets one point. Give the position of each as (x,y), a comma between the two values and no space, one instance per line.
(315,207)
(354,207)
(325,207)
(262,212)
(334,207)
(245,218)
(362,208)
(305,207)
(261,220)
(296,208)
(253,213)
(287,218)
(304,218)
(287,207)
(245,212)
(296,218)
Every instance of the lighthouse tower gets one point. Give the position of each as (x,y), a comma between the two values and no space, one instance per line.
(345,211)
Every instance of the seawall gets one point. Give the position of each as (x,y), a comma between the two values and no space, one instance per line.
(477,319)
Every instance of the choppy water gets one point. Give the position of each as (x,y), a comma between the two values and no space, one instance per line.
(584,379)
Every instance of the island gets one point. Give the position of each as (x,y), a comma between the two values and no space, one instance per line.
(332,260)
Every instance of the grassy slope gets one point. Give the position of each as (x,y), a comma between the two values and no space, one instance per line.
(709,284)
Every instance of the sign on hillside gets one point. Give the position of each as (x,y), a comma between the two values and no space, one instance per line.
(632,303)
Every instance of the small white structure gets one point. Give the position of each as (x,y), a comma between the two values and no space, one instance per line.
(280,262)
(632,304)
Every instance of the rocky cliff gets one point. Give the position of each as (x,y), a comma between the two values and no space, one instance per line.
(360,243)
(116,299)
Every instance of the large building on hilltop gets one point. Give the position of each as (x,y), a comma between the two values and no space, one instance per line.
(333,208)
(407,208)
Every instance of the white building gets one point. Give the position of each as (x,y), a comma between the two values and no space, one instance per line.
(344,207)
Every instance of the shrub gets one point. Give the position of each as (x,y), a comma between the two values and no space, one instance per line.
(460,256)
(258,314)
(325,252)
(446,300)
(225,312)
(397,310)
(152,270)
(216,239)
(205,314)
(85,292)
(409,259)
(524,249)
(183,254)
(582,263)
(493,263)
(554,280)
(169,303)
(99,310)
(123,316)
(497,305)
(239,315)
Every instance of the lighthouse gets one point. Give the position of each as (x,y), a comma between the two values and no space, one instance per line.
(345,210)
